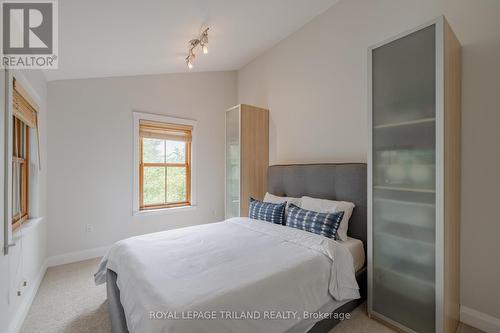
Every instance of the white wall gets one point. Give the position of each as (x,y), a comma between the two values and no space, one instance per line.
(26,260)
(315,84)
(90,153)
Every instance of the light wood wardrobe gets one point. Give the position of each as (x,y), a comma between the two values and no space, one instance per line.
(247,157)
(414,179)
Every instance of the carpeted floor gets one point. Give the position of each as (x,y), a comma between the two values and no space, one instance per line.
(68,301)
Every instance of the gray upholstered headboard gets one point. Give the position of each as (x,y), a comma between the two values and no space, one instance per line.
(342,182)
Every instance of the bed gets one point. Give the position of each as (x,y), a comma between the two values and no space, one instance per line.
(255,275)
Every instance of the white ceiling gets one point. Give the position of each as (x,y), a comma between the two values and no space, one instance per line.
(101,38)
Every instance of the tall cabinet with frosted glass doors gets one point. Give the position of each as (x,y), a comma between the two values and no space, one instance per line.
(247,157)
(414,179)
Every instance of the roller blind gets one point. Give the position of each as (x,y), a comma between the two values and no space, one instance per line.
(165,131)
(23,107)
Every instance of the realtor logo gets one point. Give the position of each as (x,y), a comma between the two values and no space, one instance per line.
(29,34)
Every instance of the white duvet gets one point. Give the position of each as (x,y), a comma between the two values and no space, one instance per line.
(233,269)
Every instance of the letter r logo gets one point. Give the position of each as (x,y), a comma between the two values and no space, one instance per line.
(27,27)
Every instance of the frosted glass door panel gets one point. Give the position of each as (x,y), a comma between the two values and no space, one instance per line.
(404,88)
(404,168)
(232,163)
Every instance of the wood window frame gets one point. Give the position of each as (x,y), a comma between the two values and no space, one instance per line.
(23,162)
(23,119)
(187,165)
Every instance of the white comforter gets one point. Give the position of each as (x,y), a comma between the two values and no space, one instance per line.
(239,265)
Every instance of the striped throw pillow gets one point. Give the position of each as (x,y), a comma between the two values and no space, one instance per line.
(325,224)
(266,211)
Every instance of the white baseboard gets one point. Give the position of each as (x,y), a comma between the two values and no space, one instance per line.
(77,256)
(479,320)
(22,311)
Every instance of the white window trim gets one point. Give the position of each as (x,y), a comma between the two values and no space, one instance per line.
(138,116)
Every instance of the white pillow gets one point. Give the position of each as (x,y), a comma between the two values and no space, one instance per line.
(331,206)
(276,199)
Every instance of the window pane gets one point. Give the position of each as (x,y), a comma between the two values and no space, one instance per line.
(22,188)
(153,150)
(154,185)
(176,151)
(22,140)
(176,184)
(15,136)
(16,189)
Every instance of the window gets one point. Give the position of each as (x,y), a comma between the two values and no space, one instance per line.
(24,119)
(164,164)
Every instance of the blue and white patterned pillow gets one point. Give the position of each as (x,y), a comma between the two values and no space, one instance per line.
(325,224)
(266,211)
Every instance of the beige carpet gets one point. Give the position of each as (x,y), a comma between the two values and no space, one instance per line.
(68,301)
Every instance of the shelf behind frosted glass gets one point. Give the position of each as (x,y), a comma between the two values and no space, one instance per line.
(408,232)
(407,123)
(404,189)
(420,135)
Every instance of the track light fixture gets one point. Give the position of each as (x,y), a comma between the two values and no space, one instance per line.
(202,41)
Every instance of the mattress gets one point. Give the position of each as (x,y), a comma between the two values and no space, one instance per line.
(355,246)
(233,262)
